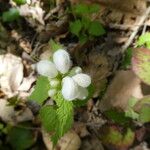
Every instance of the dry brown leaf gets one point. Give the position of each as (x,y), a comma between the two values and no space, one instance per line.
(24,115)
(11,73)
(70,141)
(124,85)
(80,129)
(91,143)
(26,83)
(6,112)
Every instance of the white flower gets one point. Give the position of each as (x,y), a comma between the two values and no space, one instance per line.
(83,93)
(69,89)
(52,92)
(82,79)
(46,68)
(62,61)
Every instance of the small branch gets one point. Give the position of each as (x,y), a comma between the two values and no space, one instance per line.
(136,29)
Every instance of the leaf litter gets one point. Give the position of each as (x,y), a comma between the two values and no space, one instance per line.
(100,58)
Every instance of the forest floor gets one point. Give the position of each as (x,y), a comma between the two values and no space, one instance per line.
(106,57)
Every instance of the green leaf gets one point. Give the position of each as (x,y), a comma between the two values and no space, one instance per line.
(10,15)
(48,118)
(113,136)
(20,138)
(85,22)
(144,115)
(40,93)
(55,46)
(83,38)
(75,27)
(96,29)
(65,117)
(131,113)
(127,58)
(1,126)
(20,2)
(117,117)
(81,9)
(144,40)
(141,64)
(132,101)
(94,8)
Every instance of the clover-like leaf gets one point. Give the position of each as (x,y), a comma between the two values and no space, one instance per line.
(141,64)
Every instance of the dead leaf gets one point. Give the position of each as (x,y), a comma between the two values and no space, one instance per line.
(24,115)
(91,143)
(80,129)
(11,73)
(70,141)
(6,112)
(33,10)
(124,85)
(26,83)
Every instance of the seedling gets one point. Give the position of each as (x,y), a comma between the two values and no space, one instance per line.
(65,85)
(83,26)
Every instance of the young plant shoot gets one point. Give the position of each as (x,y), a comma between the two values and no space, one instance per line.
(64,84)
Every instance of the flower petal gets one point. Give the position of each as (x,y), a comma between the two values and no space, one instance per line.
(69,89)
(52,92)
(82,80)
(83,93)
(62,60)
(46,68)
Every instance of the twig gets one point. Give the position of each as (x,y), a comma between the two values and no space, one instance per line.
(136,29)
(52,11)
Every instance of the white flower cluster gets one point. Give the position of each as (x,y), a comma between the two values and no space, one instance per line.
(73,83)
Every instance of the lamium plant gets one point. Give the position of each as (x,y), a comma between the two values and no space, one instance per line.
(66,85)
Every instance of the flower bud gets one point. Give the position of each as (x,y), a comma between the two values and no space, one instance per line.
(83,93)
(75,70)
(69,89)
(54,83)
(46,68)
(62,61)
(82,80)
(52,92)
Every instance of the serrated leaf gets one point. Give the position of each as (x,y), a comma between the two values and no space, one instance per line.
(65,117)
(55,46)
(144,115)
(40,93)
(10,15)
(20,138)
(141,64)
(96,29)
(94,8)
(20,2)
(144,40)
(81,9)
(75,27)
(48,118)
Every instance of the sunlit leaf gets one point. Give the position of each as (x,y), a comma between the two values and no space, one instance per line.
(141,64)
